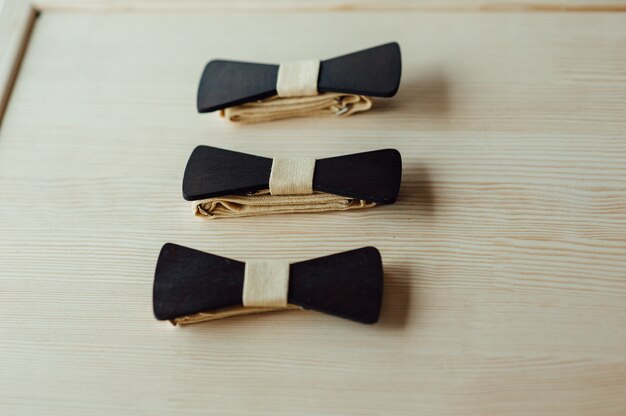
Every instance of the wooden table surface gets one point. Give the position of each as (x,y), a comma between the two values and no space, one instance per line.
(505,255)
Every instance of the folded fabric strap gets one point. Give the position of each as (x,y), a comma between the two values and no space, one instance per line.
(263,203)
(226,313)
(275,108)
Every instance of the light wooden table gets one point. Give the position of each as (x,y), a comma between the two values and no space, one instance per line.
(505,256)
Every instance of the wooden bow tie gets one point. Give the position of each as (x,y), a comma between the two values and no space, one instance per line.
(372,72)
(192,286)
(225,183)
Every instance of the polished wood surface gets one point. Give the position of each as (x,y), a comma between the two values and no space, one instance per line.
(504,256)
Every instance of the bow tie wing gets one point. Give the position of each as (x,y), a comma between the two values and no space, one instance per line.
(373,72)
(229,83)
(214,172)
(189,281)
(348,285)
(372,176)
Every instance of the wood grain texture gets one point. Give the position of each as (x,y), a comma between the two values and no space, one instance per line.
(504,256)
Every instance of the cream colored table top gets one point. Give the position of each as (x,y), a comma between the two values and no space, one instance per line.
(505,255)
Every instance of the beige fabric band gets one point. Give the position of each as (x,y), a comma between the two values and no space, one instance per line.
(262,203)
(298,78)
(266,283)
(292,176)
(276,108)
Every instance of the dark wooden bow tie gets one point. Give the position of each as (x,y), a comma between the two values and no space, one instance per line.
(348,285)
(372,72)
(371,176)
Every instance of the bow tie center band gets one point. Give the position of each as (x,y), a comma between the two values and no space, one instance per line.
(298,78)
(266,283)
(292,176)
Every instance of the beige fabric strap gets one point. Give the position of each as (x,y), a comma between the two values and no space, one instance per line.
(292,176)
(298,78)
(266,283)
(263,203)
(276,108)
(226,313)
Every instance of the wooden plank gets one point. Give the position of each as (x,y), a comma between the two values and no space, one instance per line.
(16,20)
(504,255)
(341,5)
